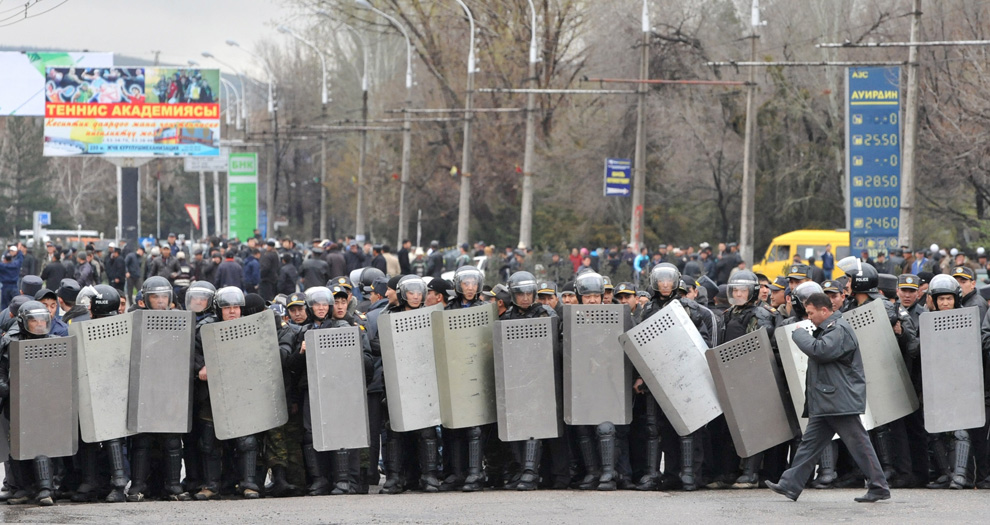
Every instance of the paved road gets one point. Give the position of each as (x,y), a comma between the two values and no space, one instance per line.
(496,507)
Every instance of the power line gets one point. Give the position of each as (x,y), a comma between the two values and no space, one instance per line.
(27,16)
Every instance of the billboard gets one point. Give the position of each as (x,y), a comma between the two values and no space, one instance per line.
(873,150)
(23,91)
(132,112)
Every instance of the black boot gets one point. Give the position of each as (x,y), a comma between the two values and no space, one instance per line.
(341,482)
(592,469)
(826,467)
(319,486)
(750,477)
(606,449)
(429,462)
(530,478)
(247,462)
(173,469)
(87,491)
(884,452)
(650,479)
(43,477)
(211,464)
(454,472)
(941,464)
(394,484)
(688,482)
(281,488)
(960,471)
(118,475)
(139,474)
(475,479)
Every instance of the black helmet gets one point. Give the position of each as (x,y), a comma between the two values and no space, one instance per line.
(410,284)
(743,280)
(156,285)
(105,303)
(589,283)
(864,280)
(518,283)
(467,274)
(85,296)
(34,311)
(941,284)
(228,296)
(368,276)
(199,296)
(665,273)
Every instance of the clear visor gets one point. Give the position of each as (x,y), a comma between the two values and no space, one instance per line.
(227,297)
(415,286)
(738,292)
(665,279)
(526,287)
(198,300)
(319,295)
(37,322)
(804,291)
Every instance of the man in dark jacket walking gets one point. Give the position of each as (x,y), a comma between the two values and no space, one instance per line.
(835,396)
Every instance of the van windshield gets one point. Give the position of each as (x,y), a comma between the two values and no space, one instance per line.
(779,253)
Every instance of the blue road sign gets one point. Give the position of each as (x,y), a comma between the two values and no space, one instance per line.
(618,177)
(873,153)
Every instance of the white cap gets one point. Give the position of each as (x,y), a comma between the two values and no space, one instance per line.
(933,248)
(980,251)
(953,252)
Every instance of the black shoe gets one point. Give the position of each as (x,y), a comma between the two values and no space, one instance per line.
(780,490)
(871,497)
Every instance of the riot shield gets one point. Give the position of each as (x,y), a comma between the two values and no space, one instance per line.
(244,374)
(597,374)
(750,388)
(795,365)
(338,399)
(952,370)
(526,379)
(462,342)
(44,415)
(669,353)
(889,392)
(104,365)
(160,399)
(409,368)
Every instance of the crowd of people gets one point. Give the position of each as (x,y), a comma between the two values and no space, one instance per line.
(328,284)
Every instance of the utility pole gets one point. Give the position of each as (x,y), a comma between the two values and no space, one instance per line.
(359,223)
(464,204)
(749,176)
(639,162)
(910,134)
(526,214)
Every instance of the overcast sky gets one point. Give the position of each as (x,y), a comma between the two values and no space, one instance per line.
(180,29)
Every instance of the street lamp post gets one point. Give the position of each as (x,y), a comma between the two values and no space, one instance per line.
(464,205)
(406,124)
(240,80)
(323,139)
(359,223)
(526,214)
(639,161)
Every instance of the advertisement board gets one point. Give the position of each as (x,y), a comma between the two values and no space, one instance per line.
(22,93)
(132,112)
(242,194)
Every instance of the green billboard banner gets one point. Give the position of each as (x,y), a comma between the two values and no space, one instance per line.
(242,194)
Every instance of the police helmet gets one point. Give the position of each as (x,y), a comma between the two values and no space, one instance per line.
(410,285)
(665,274)
(941,284)
(105,302)
(469,274)
(522,283)
(199,296)
(228,296)
(743,280)
(156,285)
(589,283)
(28,315)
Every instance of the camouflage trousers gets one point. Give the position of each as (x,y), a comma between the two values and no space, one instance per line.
(283,449)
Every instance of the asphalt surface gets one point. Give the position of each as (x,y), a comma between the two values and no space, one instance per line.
(500,507)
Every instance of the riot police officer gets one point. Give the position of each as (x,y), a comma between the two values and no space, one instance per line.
(227,304)
(410,293)
(33,322)
(105,303)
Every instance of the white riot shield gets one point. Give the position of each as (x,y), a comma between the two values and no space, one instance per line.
(750,388)
(952,370)
(526,379)
(338,399)
(160,399)
(104,366)
(244,374)
(409,368)
(669,354)
(597,374)
(889,392)
(462,342)
(44,416)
